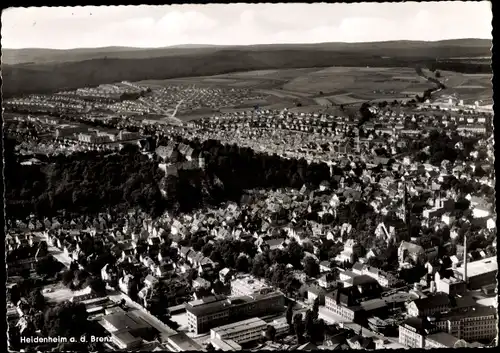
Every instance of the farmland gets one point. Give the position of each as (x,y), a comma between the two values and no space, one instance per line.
(326,88)
(346,84)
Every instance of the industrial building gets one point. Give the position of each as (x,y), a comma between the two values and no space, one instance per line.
(478,273)
(412,332)
(240,332)
(354,302)
(127,329)
(207,313)
(478,323)
(248,286)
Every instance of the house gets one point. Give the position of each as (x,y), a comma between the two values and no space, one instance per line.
(428,306)
(184,267)
(374,252)
(361,342)
(164,269)
(184,252)
(314,293)
(195,258)
(206,268)
(225,275)
(325,266)
(272,244)
(409,250)
(23,307)
(201,283)
(155,240)
(150,281)
(327,281)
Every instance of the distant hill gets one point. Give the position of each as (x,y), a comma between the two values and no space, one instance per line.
(48,70)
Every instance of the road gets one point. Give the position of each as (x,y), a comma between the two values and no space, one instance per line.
(57,253)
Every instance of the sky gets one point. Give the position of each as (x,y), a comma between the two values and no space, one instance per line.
(242,24)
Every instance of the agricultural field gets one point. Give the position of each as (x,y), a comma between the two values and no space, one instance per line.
(321,88)
(349,85)
(469,87)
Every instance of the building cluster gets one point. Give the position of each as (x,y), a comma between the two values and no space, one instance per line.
(450,305)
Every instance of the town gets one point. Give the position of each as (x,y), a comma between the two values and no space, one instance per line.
(382,236)
(245,178)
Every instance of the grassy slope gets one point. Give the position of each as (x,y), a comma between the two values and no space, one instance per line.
(52,70)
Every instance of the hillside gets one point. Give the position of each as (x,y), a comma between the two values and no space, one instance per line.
(53,70)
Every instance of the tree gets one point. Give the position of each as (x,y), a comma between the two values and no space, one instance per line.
(37,300)
(14,294)
(210,348)
(97,285)
(133,289)
(289,315)
(270,333)
(242,264)
(315,308)
(298,326)
(67,277)
(375,261)
(66,320)
(309,323)
(311,267)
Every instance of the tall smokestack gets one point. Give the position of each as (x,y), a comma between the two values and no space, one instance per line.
(465,259)
(407,212)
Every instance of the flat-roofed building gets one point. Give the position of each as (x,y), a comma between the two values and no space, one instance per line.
(181,342)
(440,340)
(414,330)
(429,305)
(207,313)
(225,345)
(127,329)
(240,332)
(249,285)
(451,286)
(478,323)
(350,302)
(479,273)
(281,326)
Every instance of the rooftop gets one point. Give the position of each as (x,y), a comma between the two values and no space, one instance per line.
(476,268)
(473,312)
(225,345)
(249,284)
(184,342)
(432,301)
(443,338)
(239,326)
(126,321)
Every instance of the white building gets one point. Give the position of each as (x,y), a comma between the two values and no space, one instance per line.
(248,286)
(240,332)
(281,326)
(348,253)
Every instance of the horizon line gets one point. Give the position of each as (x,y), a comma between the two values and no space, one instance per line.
(247,45)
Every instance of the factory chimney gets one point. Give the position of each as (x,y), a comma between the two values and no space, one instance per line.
(465,260)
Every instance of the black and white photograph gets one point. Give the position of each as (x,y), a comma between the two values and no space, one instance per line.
(247,177)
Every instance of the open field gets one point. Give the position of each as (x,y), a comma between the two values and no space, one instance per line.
(320,88)
(469,87)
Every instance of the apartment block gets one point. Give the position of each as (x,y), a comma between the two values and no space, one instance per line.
(240,332)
